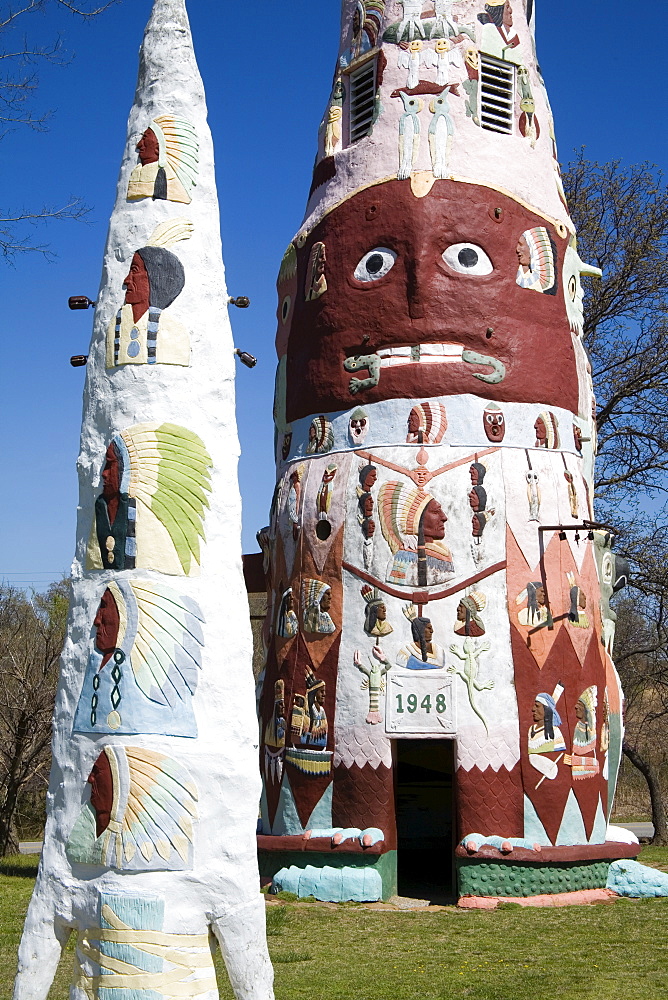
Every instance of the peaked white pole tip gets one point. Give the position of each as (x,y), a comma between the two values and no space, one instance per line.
(168,14)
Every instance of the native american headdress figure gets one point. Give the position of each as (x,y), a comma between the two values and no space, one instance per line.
(141,333)
(151,511)
(320,436)
(419,557)
(145,664)
(316,618)
(472,605)
(375,619)
(539,274)
(547,430)
(400,509)
(584,733)
(170,172)
(427,423)
(140,816)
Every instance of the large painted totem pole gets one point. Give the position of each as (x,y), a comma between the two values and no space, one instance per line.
(149,851)
(432,577)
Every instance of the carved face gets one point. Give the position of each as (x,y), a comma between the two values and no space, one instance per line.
(367,506)
(540,596)
(494,423)
(433,521)
(137,283)
(523,253)
(573,292)
(541,432)
(359,427)
(285,447)
(412,283)
(413,422)
(381,612)
(102,792)
(507,15)
(326,601)
(475,498)
(538,712)
(580,711)
(461,613)
(370,479)
(106,624)
(148,148)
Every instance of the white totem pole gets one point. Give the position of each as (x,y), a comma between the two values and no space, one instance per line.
(149,849)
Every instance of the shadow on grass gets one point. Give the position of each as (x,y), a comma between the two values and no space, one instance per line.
(20,865)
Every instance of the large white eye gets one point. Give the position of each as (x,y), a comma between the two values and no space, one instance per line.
(375,264)
(467,258)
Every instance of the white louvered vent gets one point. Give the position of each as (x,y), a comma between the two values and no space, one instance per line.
(497,94)
(362,100)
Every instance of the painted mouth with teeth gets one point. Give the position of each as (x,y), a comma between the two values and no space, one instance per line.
(391,357)
(420,354)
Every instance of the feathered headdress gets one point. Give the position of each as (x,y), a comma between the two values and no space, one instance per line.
(169,475)
(475,602)
(161,635)
(323,436)
(541,253)
(551,428)
(589,699)
(179,148)
(400,508)
(371,595)
(432,421)
(153,807)
(312,591)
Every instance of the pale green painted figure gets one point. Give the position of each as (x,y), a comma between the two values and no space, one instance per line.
(470,655)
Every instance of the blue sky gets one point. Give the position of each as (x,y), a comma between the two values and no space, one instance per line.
(267,69)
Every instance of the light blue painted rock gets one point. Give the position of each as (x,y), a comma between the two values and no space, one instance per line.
(629,878)
(331,885)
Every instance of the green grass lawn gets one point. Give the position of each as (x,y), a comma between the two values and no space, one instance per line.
(606,952)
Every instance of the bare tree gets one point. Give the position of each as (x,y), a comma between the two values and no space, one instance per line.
(621,214)
(641,656)
(18,84)
(32,632)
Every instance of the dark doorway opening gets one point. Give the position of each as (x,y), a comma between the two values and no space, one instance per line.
(424,792)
